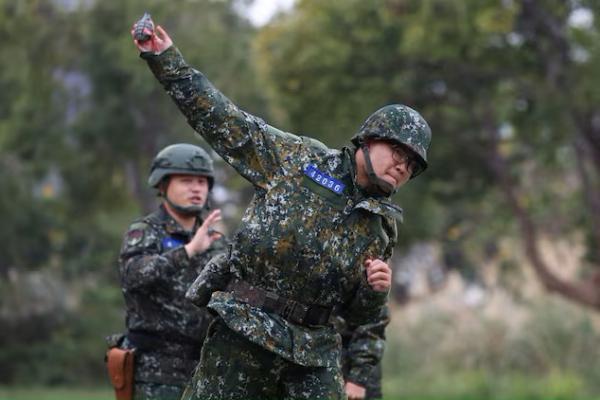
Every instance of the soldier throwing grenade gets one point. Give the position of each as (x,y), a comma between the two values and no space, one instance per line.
(310,246)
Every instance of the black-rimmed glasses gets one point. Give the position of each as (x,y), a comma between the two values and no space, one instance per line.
(402,156)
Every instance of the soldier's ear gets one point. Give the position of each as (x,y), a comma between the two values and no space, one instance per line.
(162,186)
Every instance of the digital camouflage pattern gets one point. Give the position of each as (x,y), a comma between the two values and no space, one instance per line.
(401,124)
(181,158)
(157,391)
(165,329)
(350,356)
(258,372)
(305,235)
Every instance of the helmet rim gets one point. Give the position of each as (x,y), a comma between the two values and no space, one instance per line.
(181,159)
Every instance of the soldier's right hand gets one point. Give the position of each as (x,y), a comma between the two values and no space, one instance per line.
(158,42)
(204,235)
(379,275)
(355,391)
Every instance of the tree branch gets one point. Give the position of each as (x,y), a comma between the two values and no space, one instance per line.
(585,292)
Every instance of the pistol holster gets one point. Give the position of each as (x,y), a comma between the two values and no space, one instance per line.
(119,363)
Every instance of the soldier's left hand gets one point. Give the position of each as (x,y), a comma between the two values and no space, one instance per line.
(379,275)
(354,391)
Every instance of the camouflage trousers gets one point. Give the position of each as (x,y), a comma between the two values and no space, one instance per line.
(156,391)
(233,368)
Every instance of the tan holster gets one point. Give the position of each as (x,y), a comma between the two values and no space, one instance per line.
(119,363)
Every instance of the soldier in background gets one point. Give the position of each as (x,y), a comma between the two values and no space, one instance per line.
(162,254)
(311,244)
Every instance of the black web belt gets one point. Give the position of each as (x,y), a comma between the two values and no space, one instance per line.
(152,341)
(291,310)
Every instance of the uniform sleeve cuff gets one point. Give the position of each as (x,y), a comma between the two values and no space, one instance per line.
(359,375)
(370,298)
(165,64)
(152,57)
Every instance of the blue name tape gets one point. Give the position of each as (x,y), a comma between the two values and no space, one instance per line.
(170,243)
(323,179)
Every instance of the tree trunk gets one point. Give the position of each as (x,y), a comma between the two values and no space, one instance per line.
(584,292)
(151,128)
(589,187)
(136,184)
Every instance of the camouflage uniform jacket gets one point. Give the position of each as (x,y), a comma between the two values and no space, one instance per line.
(305,235)
(162,324)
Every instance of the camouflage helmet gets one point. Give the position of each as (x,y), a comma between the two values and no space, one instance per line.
(181,158)
(400,124)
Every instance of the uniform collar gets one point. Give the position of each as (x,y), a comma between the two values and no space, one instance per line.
(376,204)
(172,227)
(382,207)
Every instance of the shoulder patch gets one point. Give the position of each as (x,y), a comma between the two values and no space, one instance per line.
(136,233)
(134,236)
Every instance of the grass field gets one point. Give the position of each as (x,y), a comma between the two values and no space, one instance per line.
(22,393)
(477,385)
(412,389)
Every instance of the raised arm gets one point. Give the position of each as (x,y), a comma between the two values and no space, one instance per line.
(252,147)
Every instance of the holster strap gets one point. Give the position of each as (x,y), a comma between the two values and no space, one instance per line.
(291,310)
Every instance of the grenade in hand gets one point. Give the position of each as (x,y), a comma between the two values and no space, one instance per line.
(145,23)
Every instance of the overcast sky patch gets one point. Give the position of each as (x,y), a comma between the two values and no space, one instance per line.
(260,12)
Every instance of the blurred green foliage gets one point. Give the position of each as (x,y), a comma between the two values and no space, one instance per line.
(45,393)
(469,66)
(552,355)
(81,119)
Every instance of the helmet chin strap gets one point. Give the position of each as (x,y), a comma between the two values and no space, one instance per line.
(191,211)
(378,185)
